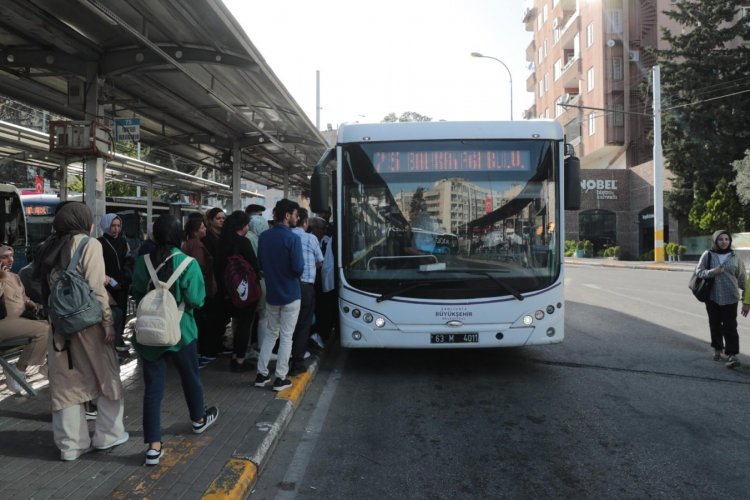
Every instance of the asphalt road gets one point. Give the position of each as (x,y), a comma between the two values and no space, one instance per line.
(631,405)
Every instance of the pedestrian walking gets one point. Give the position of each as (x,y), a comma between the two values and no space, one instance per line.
(726,269)
(280,257)
(189,290)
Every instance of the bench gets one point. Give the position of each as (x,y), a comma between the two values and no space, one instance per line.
(8,350)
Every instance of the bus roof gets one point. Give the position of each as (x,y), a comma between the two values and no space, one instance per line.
(410,131)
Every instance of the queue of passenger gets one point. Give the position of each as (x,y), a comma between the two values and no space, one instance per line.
(283,262)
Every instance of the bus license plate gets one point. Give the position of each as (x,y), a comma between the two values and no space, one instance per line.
(454,338)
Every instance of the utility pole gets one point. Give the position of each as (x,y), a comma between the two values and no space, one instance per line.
(658,172)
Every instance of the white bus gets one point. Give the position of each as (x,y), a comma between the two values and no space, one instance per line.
(400,187)
(13,224)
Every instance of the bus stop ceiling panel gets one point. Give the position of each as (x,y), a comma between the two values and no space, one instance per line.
(185,68)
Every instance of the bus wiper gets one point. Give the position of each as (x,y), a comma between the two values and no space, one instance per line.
(411,286)
(499,283)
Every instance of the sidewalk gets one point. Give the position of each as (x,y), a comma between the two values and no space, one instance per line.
(683,266)
(221,463)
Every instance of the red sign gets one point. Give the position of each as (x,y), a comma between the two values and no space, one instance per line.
(39,184)
(488,204)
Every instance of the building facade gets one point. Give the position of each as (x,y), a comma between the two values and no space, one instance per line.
(590,71)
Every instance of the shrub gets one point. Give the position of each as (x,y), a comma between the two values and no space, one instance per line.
(681,250)
(580,245)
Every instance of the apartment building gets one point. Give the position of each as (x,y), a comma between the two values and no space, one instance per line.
(590,71)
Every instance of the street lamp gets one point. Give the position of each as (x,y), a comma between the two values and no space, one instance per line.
(477,54)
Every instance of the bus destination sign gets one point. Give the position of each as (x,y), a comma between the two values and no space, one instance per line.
(447,161)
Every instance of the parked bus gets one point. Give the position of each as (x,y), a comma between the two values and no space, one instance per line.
(13,224)
(402,187)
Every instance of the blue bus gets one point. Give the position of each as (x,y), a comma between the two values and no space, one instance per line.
(13,225)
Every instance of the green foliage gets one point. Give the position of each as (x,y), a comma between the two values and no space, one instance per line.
(75,185)
(722,209)
(407,116)
(670,249)
(115,188)
(613,251)
(742,178)
(588,246)
(681,249)
(580,245)
(706,124)
(570,248)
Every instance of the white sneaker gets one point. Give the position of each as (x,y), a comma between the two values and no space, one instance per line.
(13,386)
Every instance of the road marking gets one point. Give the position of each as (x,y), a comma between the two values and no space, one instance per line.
(298,466)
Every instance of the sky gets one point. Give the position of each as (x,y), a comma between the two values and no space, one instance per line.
(393,56)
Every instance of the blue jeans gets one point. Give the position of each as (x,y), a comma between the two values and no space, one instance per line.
(154,378)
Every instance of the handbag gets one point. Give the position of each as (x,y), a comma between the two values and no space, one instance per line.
(701,287)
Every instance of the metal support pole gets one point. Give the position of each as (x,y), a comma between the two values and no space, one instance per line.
(94,166)
(236,177)
(658,172)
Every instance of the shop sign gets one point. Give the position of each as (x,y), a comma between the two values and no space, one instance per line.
(606,189)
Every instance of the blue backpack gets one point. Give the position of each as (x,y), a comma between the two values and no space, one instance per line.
(72,304)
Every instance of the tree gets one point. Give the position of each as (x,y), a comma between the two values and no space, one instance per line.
(742,179)
(407,116)
(722,210)
(418,204)
(706,123)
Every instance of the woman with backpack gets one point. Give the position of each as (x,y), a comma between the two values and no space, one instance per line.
(86,368)
(235,258)
(188,290)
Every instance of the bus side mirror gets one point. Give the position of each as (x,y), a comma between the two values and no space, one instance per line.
(572,183)
(320,183)
(320,186)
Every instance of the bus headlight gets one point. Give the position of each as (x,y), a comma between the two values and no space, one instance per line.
(356,335)
(539,315)
(367,317)
(380,322)
(550,309)
(356,313)
(528,320)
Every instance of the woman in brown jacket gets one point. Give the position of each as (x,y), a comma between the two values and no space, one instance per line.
(95,373)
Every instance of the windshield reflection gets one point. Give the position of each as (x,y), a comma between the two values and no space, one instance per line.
(466,230)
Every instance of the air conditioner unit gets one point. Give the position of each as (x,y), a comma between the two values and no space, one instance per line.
(634,55)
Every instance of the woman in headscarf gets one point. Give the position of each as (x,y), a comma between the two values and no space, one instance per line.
(233,241)
(117,269)
(728,273)
(189,290)
(95,373)
(195,230)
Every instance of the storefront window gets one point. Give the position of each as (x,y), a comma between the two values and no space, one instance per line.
(598,226)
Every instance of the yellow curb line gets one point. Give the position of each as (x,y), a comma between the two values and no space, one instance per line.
(235,480)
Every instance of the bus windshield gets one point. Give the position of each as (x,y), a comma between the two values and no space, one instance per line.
(478,217)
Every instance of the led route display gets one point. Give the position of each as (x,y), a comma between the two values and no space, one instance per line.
(446,161)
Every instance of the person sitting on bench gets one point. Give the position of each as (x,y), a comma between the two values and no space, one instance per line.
(14,325)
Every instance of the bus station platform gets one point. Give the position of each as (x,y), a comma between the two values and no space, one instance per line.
(223,462)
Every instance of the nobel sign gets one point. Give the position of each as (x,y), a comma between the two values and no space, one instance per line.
(606,189)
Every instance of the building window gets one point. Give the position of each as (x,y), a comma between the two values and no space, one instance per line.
(592,123)
(541,88)
(545,48)
(546,82)
(558,108)
(557,69)
(554,3)
(616,117)
(599,227)
(541,54)
(539,22)
(614,21)
(616,68)
(544,14)
(590,79)
(590,35)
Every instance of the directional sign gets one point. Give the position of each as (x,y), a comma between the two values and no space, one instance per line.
(128,129)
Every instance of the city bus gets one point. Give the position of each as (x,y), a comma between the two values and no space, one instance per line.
(398,189)
(13,225)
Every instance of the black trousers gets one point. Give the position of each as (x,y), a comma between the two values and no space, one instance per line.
(301,334)
(722,320)
(215,316)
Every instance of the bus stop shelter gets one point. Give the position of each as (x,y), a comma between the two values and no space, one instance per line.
(184,69)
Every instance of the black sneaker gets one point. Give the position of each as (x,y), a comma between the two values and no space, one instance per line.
(153,456)
(262,380)
(90,410)
(280,385)
(209,418)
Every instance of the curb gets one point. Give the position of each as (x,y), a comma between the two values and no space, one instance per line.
(240,472)
(688,268)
